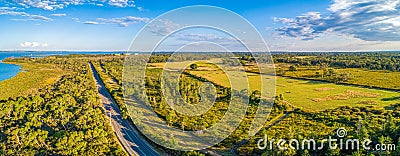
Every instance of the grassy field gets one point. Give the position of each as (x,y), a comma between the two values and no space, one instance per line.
(373,78)
(314,95)
(212,72)
(31,77)
(308,94)
(384,79)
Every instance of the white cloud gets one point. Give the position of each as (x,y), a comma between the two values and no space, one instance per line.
(164,27)
(60,4)
(39,17)
(33,44)
(210,37)
(121,3)
(58,15)
(76,19)
(91,22)
(121,21)
(14,12)
(369,20)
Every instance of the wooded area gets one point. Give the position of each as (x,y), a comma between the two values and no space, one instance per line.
(64,118)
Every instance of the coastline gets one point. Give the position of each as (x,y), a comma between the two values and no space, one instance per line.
(6,68)
(29,78)
(9,70)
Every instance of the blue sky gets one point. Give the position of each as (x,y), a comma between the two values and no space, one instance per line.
(290,25)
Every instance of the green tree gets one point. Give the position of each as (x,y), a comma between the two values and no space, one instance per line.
(193,66)
(292,68)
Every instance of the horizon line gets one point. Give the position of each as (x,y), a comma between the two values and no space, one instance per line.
(124,51)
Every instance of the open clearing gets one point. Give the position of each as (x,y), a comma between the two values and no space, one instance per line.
(383,79)
(308,94)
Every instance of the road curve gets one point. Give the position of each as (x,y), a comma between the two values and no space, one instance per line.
(127,135)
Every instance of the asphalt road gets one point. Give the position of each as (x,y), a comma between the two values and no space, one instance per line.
(127,135)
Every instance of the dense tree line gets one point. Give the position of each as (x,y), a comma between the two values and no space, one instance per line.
(373,61)
(379,125)
(65,118)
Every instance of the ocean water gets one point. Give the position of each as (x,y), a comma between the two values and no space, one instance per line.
(9,70)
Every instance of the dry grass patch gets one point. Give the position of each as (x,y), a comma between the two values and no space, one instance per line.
(323,89)
(368,102)
(347,95)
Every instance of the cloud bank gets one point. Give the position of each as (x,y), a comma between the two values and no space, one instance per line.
(58,15)
(369,20)
(121,21)
(12,11)
(60,4)
(163,27)
(33,44)
(210,37)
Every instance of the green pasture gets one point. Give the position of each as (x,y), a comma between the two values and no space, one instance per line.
(375,78)
(308,94)
(316,95)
